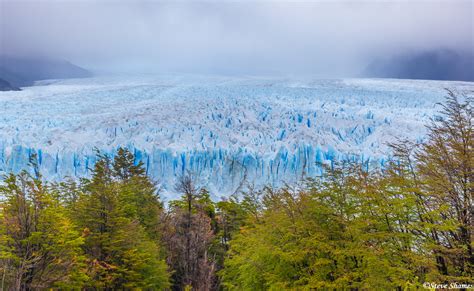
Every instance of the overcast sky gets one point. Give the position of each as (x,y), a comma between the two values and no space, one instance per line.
(330,38)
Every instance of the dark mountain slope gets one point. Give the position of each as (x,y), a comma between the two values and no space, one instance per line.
(431,65)
(5,86)
(21,72)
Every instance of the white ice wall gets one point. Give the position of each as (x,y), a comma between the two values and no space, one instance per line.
(222,129)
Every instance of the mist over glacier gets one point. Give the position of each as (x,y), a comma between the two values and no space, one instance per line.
(229,132)
(324,38)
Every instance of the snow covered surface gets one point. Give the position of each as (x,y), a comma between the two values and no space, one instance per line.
(224,130)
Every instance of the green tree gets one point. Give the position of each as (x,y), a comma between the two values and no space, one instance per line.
(445,166)
(138,194)
(39,246)
(118,245)
(230,217)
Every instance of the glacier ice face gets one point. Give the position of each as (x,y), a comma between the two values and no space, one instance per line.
(224,130)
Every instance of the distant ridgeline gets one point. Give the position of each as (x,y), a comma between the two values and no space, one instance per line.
(16,72)
(6,86)
(429,65)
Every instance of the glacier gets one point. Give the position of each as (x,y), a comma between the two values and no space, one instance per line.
(227,131)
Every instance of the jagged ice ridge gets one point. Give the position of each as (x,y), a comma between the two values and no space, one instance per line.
(224,130)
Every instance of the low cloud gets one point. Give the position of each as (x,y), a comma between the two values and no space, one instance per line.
(324,38)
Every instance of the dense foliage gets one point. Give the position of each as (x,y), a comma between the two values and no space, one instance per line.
(354,227)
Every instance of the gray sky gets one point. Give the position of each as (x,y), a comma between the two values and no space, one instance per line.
(330,38)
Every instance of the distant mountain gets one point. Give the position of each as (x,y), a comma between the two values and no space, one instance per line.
(6,86)
(431,65)
(22,72)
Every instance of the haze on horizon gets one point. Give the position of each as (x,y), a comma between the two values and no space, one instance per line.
(323,38)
